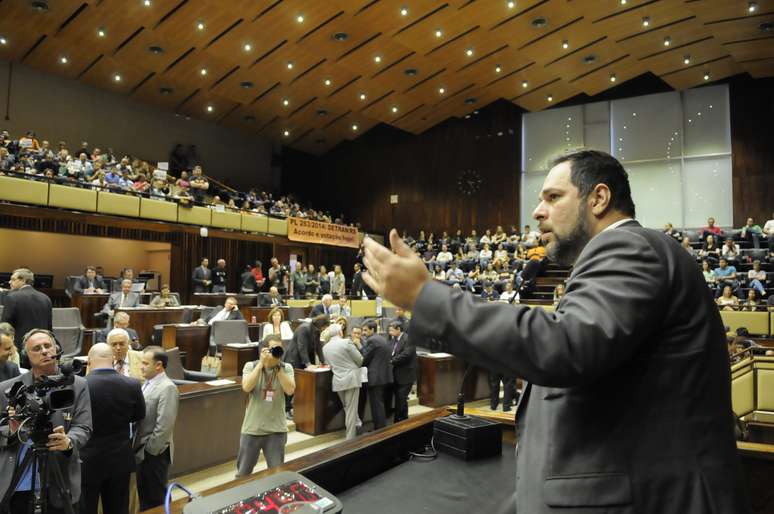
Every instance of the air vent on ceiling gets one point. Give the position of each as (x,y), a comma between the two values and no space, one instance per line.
(766,26)
(341,36)
(470,101)
(539,22)
(155,50)
(590,59)
(166,90)
(411,72)
(39,5)
(246,84)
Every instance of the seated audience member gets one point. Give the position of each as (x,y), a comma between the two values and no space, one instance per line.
(89,282)
(485,255)
(141,185)
(8,368)
(247,281)
(753,302)
(711,229)
(509,294)
(537,252)
(730,250)
(125,274)
(165,298)
(120,320)
(725,275)
(121,299)
(558,294)
(158,189)
(757,278)
(439,274)
(444,257)
(489,294)
(709,250)
(500,255)
(709,275)
(345,360)
(341,307)
(108,459)
(324,307)
(486,238)
(267,381)
(454,275)
(751,232)
(768,232)
(727,301)
(686,243)
(276,325)
(672,232)
(298,281)
(229,312)
(126,361)
(273,299)
(530,237)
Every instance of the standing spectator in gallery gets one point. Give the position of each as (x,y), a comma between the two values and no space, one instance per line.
(711,229)
(219,278)
(199,185)
(298,281)
(338,282)
(202,277)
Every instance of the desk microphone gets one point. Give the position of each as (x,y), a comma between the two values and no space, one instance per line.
(460,414)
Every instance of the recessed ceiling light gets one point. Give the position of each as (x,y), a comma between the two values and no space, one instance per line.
(550,98)
(63,60)
(645,21)
(286,133)
(752,7)
(511,5)
(469,52)
(354,128)
(612,77)
(290,65)
(3,41)
(623,2)
(394,109)
(378,59)
(403,11)
(146,3)
(525,84)
(248,47)
(285,102)
(327,82)
(498,69)
(362,96)
(667,41)
(200,25)
(101,32)
(565,44)
(117,77)
(210,108)
(438,33)
(246,84)
(300,18)
(687,59)
(203,71)
(706,76)
(441,90)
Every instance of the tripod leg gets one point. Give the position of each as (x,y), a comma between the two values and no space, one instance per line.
(62,486)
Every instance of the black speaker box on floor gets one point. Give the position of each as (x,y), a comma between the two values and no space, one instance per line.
(468,437)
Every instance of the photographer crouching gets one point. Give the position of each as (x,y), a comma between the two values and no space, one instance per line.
(45,418)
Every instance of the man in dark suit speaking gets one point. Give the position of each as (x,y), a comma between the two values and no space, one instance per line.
(628,406)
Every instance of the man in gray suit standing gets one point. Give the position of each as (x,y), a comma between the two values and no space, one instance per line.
(202,277)
(345,361)
(153,446)
(628,406)
(72,429)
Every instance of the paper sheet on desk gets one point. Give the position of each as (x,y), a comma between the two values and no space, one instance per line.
(439,355)
(221,382)
(243,345)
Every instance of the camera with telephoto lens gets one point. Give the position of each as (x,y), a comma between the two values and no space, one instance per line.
(277,352)
(34,404)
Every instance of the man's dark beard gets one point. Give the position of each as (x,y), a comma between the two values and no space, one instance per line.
(565,250)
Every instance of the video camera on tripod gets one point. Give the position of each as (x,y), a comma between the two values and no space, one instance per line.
(34,404)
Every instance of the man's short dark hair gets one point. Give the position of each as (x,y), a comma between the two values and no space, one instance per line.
(396,324)
(592,167)
(91,268)
(369,324)
(321,321)
(158,354)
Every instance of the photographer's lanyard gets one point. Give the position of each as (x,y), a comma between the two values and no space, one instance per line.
(268,391)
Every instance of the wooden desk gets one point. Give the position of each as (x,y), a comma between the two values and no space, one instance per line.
(261,313)
(194,340)
(89,305)
(209,419)
(144,319)
(439,380)
(234,360)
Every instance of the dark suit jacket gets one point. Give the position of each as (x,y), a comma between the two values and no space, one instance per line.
(404,360)
(317,310)
(377,356)
(301,349)
(82,283)
(76,421)
(629,404)
(233,315)
(26,309)
(199,276)
(8,370)
(116,401)
(264,300)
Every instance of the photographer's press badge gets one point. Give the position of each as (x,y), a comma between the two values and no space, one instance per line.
(268,395)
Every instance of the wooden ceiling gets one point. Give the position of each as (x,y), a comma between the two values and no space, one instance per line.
(311,73)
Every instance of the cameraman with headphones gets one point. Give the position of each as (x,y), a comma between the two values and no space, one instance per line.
(267,381)
(72,429)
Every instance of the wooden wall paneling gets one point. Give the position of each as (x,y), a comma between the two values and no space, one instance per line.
(694,76)
(750,51)
(151,50)
(22,26)
(51,49)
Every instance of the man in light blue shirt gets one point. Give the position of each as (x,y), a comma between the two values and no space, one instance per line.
(725,275)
